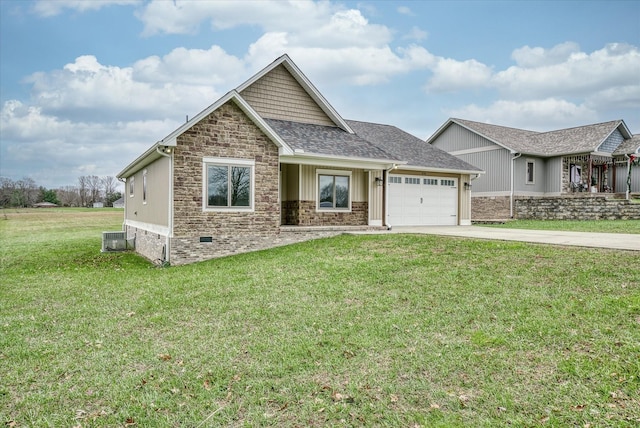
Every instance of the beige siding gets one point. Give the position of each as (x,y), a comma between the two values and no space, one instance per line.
(375,197)
(308,183)
(290,182)
(154,210)
(464,200)
(277,95)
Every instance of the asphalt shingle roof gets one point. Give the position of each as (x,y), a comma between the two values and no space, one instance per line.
(370,141)
(326,140)
(409,148)
(580,139)
(628,146)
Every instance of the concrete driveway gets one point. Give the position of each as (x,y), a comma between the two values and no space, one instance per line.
(616,241)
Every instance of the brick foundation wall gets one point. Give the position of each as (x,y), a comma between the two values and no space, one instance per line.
(147,244)
(490,208)
(575,208)
(225,133)
(304,213)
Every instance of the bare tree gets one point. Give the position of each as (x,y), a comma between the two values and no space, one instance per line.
(69,196)
(7,187)
(95,188)
(83,189)
(25,193)
(109,185)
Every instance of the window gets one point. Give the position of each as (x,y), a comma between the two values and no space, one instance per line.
(228,184)
(334,190)
(431,181)
(530,171)
(411,180)
(131,185)
(450,183)
(395,180)
(144,186)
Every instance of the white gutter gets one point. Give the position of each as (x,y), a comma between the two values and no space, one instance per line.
(513,162)
(167,151)
(385,177)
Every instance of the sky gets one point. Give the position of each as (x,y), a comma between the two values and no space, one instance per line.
(88,86)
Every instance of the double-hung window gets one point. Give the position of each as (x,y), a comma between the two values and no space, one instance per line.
(228,184)
(334,190)
(131,181)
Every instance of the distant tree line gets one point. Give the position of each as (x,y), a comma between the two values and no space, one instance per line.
(89,189)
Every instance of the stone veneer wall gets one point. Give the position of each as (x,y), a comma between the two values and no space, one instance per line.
(575,208)
(490,208)
(225,133)
(147,244)
(304,213)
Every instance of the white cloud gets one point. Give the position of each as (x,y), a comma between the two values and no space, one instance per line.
(416,34)
(48,8)
(580,73)
(540,115)
(404,10)
(60,150)
(87,89)
(450,75)
(527,57)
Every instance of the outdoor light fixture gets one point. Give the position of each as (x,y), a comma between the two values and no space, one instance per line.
(167,149)
(379,181)
(467,186)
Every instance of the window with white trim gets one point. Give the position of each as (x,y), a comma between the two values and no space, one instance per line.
(334,190)
(131,181)
(228,184)
(530,171)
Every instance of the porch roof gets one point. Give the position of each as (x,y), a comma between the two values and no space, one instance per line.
(629,146)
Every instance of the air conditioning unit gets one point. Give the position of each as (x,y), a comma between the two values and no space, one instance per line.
(114,241)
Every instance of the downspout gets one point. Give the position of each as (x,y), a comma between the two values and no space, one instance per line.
(385,184)
(124,194)
(166,152)
(512,193)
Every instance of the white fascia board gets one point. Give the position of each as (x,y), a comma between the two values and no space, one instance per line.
(141,161)
(313,92)
(441,170)
(336,161)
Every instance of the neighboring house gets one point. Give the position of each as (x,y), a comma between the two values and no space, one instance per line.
(118,203)
(98,205)
(521,163)
(272,156)
(45,205)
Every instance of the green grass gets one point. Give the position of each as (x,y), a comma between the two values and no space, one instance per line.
(393,330)
(604,226)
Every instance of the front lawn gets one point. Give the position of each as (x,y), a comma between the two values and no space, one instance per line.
(387,330)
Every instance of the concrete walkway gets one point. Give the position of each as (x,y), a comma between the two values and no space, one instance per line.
(616,241)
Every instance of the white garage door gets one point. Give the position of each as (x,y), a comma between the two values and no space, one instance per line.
(422,201)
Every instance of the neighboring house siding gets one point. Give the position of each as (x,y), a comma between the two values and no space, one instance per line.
(553,176)
(154,211)
(611,143)
(622,175)
(456,138)
(520,176)
(277,95)
(496,164)
(225,133)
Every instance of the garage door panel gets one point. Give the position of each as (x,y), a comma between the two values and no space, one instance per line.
(422,201)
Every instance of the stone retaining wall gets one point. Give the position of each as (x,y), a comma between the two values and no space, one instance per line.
(575,208)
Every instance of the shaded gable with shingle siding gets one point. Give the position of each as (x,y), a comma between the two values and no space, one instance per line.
(277,95)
